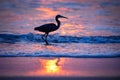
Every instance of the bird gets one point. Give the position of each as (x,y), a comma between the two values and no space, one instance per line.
(50,27)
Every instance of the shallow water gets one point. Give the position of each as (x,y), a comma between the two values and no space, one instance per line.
(92,30)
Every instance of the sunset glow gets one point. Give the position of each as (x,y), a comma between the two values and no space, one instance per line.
(59,38)
(51,67)
(48,12)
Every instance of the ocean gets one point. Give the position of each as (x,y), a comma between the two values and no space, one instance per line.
(92,29)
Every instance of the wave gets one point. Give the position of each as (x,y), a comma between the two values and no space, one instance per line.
(55,38)
(70,55)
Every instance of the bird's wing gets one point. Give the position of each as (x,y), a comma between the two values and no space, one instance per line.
(47,27)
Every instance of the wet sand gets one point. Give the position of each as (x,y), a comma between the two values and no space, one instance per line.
(35,68)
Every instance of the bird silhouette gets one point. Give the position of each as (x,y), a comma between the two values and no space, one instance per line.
(50,27)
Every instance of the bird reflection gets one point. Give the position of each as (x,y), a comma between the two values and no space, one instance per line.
(50,27)
(58,61)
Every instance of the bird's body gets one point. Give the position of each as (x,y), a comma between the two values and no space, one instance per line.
(46,28)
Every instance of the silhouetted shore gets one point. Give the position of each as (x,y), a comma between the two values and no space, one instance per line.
(60,78)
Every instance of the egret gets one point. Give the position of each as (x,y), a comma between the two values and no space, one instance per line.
(50,27)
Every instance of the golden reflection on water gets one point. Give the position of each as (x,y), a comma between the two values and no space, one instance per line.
(72,29)
(51,66)
(48,67)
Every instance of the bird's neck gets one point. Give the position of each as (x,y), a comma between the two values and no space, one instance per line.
(58,22)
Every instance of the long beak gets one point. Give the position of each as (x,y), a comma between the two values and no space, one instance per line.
(64,17)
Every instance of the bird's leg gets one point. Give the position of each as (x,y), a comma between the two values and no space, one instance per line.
(46,38)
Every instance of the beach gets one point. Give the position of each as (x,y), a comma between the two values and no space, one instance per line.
(56,68)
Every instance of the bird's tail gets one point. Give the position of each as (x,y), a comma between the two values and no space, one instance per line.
(35,28)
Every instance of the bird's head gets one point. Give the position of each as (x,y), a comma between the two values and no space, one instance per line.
(60,16)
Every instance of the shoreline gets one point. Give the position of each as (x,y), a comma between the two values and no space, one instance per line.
(71,57)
